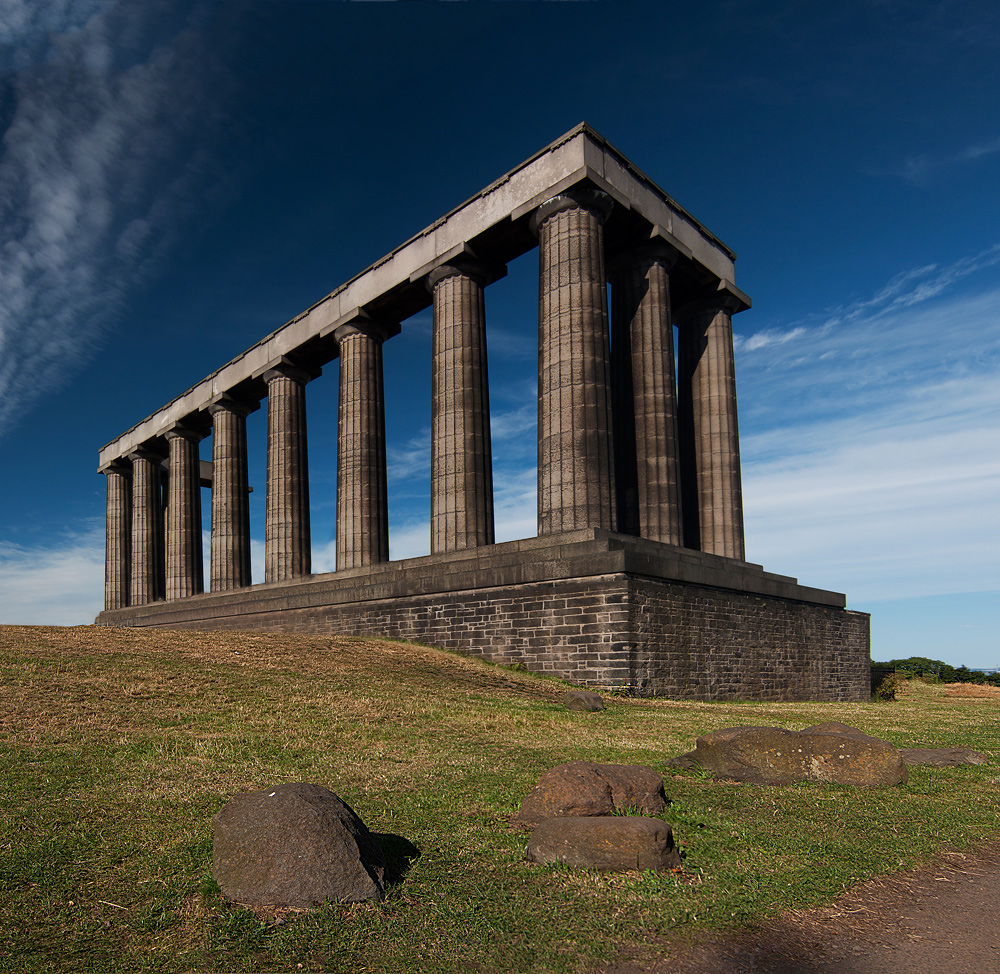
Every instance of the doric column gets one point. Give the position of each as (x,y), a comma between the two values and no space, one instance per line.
(287,551)
(461,459)
(645,398)
(147,528)
(118,537)
(709,433)
(362,505)
(575,456)
(230,547)
(184,571)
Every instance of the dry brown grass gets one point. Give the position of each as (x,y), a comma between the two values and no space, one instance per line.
(971,690)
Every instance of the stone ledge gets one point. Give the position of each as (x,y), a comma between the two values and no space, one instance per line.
(559,557)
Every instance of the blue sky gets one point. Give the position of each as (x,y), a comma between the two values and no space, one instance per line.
(179,178)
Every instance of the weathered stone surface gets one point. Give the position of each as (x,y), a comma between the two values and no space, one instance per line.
(583,700)
(579,788)
(118,537)
(230,560)
(644,411)
(775,756)
(287,551)
(576,486)
(362,506)
(711,485)
(942,757)
(294,845)
(461,458)
(836,727)
(615,843)
(184,572)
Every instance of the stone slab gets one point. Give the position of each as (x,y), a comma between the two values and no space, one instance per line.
(611,843)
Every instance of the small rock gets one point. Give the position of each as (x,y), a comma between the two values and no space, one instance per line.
(615,843)
(942,757)
(580,788)
(294,845)
(775,756)
(583,700)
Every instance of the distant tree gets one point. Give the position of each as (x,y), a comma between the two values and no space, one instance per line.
(945,672)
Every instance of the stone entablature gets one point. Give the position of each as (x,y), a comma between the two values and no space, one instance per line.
(492,225)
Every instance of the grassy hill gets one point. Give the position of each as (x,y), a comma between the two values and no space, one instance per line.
(118,747)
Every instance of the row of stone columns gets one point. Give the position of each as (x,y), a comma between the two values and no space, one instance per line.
(617,449)
(665,470)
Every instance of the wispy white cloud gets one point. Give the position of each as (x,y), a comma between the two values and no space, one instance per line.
(874,319)
(871,450)
(29,28)
(918,169)
(107,139)
(915,286)
(57,585)
(515,504)
(904,507)
(411,459)
(762,339)
(924,328)
(513,424)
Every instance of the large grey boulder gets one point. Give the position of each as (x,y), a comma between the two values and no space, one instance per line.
(294,845)
(580,788)
(615,843)
(775,756)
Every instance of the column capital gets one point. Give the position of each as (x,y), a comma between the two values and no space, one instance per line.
(119,466)
(146,453)
(471,268)
(283,369)
(727,297)
(597,203)
(226,403)
(179,432)
(647,252)
(362,324)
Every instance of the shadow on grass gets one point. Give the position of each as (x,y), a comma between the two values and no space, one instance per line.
(399,853)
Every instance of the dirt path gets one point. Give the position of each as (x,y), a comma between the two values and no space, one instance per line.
(944,919)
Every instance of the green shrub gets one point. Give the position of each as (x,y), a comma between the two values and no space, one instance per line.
(889,687)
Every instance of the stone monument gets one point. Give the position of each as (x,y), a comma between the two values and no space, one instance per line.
(637,577)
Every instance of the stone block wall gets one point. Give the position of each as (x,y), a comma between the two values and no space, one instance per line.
(594,608)
(711,644)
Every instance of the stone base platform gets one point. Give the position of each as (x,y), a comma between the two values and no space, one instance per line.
(594,607)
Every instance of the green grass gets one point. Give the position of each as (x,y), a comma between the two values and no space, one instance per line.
(119,746)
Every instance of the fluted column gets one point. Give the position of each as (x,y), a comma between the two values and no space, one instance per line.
(184,571)
(575,455)
(230,546)
(461,459)
(362,504)
(118,537)
(710,440)
(287,551)
(147,528)
(645,404)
